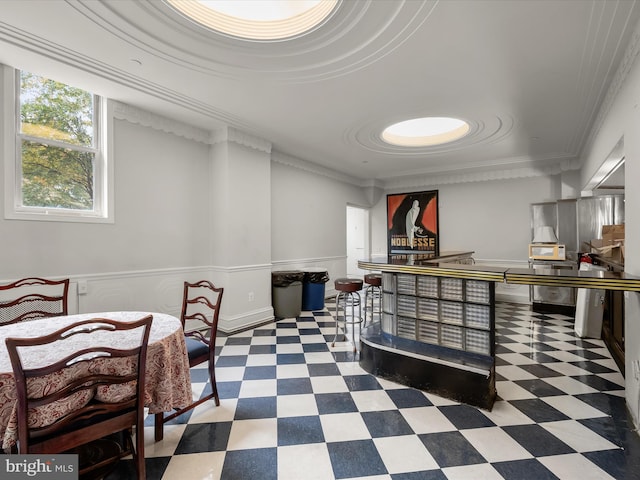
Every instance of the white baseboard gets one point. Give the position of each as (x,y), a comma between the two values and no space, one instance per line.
(246,320)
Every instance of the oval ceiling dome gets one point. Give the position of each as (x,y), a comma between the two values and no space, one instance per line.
(262,20)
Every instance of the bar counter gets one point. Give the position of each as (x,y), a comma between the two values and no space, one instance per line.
(437,328)
(444,266)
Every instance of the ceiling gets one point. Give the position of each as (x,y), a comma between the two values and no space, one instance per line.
(529,76)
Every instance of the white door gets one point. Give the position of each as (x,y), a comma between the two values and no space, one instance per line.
(357,239)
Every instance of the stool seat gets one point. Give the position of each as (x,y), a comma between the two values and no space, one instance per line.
(348,284)
(374,279)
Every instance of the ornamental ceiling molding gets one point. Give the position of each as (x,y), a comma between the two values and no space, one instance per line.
(555,167)
(233,135)
(546,164)
(310,167)
(138,116)
(94,68)
(628,61)
(482,131)
(551,168)
(597,54)
(309,58)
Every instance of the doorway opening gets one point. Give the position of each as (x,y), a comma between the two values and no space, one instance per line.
(358,246)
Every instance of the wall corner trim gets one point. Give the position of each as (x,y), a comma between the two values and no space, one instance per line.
(230,134)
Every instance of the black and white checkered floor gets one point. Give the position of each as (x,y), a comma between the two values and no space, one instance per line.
(294,408)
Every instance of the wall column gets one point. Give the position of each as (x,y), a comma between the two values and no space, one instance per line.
(632,260)
(241,227)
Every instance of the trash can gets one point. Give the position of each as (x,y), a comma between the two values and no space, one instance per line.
(313,289)
(589,307)
(286,293)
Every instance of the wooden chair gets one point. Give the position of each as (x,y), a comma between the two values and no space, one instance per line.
(200,303)
(32,298)
(96,390)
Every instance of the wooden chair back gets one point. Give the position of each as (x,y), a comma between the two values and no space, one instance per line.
(201,307)
(79,384)
(31,298)
(200,311)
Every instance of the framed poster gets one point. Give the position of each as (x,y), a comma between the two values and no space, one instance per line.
(412,223)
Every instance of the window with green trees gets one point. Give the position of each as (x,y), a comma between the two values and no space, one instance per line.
(58,134)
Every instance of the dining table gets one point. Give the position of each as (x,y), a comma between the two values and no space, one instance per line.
(167,379)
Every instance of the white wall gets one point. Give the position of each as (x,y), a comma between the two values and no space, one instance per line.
(491,218)
(162,200)
(158,211)
(622,119)
(240,237)
(308,220)
(161,190)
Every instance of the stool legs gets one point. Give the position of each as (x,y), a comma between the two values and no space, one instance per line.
(372,300)
(348,300)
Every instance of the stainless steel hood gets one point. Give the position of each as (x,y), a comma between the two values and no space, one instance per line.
(578,221)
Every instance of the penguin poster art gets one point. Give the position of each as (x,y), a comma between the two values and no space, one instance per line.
(412,223)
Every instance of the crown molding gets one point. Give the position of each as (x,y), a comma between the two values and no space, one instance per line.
(551,168)
(233,135)
(137,116)
(290,161)
(628,61)
(55,52)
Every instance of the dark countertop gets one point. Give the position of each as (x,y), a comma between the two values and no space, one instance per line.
(573,278)
(442,266)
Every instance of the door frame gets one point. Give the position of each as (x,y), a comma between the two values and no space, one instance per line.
(358,238)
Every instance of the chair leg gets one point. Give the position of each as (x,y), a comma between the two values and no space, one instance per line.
(214,387)
(158,422)
(160,419)
(139,454)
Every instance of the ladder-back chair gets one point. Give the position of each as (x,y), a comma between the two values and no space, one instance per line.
(32,298)
(200,304)
(80,384)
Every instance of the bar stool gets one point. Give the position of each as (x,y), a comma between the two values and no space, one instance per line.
(372,296)
(348,297)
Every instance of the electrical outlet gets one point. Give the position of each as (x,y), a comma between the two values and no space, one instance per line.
(82,287)
(251,296)
(636,369)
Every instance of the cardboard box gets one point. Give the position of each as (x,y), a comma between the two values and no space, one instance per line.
(613,236)
(613,233)
(610,249)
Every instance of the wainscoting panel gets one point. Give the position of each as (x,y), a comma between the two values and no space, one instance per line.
(151,290)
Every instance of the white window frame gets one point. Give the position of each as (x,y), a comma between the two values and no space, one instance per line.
(103,208)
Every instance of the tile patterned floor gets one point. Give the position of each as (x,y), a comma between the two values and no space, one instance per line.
(294,408)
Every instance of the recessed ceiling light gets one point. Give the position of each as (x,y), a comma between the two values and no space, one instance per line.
(426,131)
(257,19)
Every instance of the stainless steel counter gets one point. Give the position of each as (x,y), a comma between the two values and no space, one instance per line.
(437,328)
(443,267)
